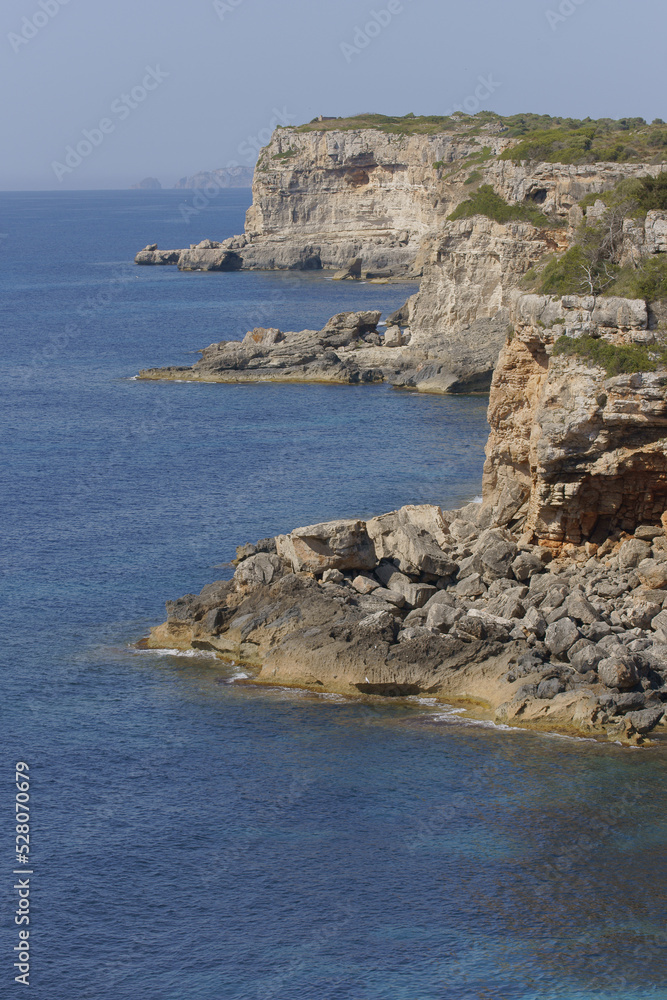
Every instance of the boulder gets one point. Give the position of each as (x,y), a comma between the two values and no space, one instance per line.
(618,671)
(631,701)
(352,271)
(262,337)
(263,568)
(548,689)
(441,597)
(659,625)
(332,545)
(534,623)
(472,586)
(358,322)
(648,532)
(510,606)
(526,565)
(390,596)
(585,656)
(414,537)
(495,551)
(632,552)
(332,576)
(415,594)
(364,584)
(561,636)
(653,574)
(393,337)
(470,627)
(647,719)
(641,614)
(442,617)
(581,609)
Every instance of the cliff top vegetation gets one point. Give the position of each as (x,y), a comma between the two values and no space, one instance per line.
(539,137)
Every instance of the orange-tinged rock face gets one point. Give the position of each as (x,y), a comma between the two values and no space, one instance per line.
(572,452)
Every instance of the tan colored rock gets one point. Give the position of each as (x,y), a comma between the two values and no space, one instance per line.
(331,545)
(352,271)
(318,205)
(415,537)
(365,584)
(459,317)
(653,574)
(393,337)
(581,452)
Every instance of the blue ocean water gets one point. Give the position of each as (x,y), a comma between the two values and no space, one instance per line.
(192,837)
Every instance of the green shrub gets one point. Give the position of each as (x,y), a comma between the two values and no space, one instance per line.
(652,192)
(616,359)
(485,201)
(484,154)
(541,137)
(472,178)
(648,281)
(563,275)
(589,141)
(636,195)
(285,155)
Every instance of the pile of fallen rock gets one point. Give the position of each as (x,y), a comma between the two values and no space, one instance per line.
(419,595)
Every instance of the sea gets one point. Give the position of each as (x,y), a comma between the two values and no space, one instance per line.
(191,837)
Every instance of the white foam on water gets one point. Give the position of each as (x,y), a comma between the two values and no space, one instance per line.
(457,715)
(477,499)
(575,739)
(206,654)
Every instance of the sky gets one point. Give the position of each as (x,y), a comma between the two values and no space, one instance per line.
(102,94)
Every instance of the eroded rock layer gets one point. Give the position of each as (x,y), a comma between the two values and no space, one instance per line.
(579,452)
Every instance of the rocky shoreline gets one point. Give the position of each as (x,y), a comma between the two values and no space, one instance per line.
(349,350)
(544,606)
(431,602)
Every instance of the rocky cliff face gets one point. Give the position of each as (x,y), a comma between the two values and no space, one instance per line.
(322,198)
(330,196)
(574,453)
(335,195)
(458,319)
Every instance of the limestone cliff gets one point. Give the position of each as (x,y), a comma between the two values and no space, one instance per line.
(575,452)
(459,317)
(323,197)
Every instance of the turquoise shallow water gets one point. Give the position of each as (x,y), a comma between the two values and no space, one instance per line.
(194,837)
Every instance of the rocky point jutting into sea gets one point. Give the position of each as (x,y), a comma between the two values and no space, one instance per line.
(546,604)
(375,199)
